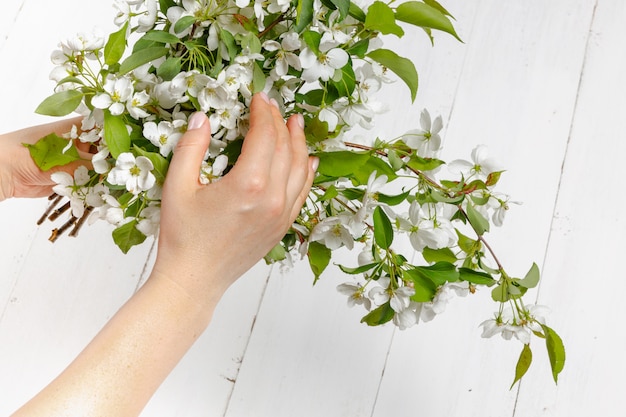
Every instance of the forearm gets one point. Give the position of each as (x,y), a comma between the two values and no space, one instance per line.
(123,366)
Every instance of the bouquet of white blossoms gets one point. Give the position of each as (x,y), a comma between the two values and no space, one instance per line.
(136,88)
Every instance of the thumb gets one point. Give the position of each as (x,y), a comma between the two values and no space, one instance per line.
(189,152)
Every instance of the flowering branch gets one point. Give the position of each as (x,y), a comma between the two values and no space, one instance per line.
(326,61)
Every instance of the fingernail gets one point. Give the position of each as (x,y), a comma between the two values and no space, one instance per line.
(264,96)
(300,120)
(196,120)
(315,163)
(274,103)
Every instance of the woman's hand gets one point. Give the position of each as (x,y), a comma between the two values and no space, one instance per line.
(210,235)
(19,176)
(227,226)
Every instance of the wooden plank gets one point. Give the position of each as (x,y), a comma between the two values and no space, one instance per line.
(516,95)
(10,12)
(586,240)
(203,381)
(308,354)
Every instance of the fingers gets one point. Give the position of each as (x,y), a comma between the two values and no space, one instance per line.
(257,151)
(299,165)
(189,152)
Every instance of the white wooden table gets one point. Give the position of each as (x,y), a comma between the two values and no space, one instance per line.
(540,82)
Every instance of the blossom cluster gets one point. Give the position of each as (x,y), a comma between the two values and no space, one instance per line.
(419,223)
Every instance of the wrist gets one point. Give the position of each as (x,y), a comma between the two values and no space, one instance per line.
(196,286)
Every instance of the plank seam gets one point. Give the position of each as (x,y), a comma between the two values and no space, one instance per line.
(565,157)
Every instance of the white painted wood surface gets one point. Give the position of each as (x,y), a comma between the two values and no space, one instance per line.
(540,82)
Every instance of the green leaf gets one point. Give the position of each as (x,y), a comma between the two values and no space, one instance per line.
(312,40)
(60,104)
(383,230)
(164,5)
(170,68)
(258,78)
(556,351)
(439,273)
(228,39)
(47,152)
(373,163)
(116,134)
(277,253)
(304,14)
(161,36)
(422,15)
(476,277)
(439,255)
(477,220)
(183,23)
(341,163)
(436,5)
(403,67)
(358,269)
(319,257)
(127,235)
(423,164)
(141,57)
(393,200)
(251,42)
(532,277)
(345,86)
(343,6)
(501,293)
(523,363)
(380,18)
(425,288)
(493,178)
(380,315)
(468,245)
(356,12)
(160,164)
(115,46)
(359,49)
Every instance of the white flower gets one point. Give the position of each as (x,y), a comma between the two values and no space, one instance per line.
(213,172)
(332,233)
(116,92)
(512,323)
(329,116)
(426,140)
(226,116)
(428,230)
(355,293)
(73,188)
(500,204)
(150,219)
(134,173)
(443,296)
(164,135)
(336,30)
(285,57)
(99,161)
(86,41)
(148,16)
(324,65)
(399,298)
(136,103)
(481,166)
(369,82)
(409,316)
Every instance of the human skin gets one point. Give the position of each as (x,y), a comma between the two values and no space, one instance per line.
(210,235)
